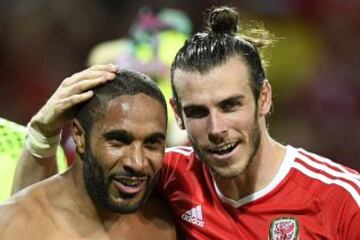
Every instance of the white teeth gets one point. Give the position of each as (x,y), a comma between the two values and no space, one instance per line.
(223,148)
(129,182)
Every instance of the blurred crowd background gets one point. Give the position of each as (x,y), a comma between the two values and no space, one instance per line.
(314,66)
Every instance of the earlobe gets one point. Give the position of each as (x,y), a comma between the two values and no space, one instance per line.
(265,99)
(78,135)
(177,113)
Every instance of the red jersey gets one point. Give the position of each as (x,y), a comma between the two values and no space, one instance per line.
(310,197)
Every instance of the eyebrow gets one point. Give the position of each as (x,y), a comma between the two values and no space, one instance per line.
(119,134)
(157,135)
(128,136)
(233,98)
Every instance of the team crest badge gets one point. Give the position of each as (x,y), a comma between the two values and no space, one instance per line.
(285,228)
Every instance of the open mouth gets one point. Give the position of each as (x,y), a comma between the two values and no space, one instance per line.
(129,185)
(223,149)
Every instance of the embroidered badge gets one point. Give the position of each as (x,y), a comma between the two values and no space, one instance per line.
(285,228)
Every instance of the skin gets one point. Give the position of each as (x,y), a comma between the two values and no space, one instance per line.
(127,148)
(57,111)
(219,111)
(226,112)
(74,214)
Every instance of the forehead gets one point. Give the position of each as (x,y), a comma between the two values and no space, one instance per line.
(223,81)
(139,114)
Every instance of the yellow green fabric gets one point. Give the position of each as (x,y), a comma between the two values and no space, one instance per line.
(170,42)
(12,138)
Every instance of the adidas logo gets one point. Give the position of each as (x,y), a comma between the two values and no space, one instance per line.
(194,216)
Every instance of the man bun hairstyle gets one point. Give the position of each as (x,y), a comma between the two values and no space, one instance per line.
(223,39)
(223,20)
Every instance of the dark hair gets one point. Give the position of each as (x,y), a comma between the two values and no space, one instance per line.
(213,47)
(127,82)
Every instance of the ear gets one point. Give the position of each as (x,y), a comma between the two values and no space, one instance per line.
(265,99)
(78,135)
(177,112)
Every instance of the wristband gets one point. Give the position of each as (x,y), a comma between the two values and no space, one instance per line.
(39,145)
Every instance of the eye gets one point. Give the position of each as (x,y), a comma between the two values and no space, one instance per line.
(116,142)
(118,138)
(196,112)
(156,142)
(230,105)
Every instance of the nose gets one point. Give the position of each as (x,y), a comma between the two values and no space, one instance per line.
(136,159)
(217,128)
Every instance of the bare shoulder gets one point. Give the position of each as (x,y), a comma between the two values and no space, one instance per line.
(15,221)
(23,215)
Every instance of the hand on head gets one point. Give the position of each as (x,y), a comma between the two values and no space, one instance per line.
(74,90)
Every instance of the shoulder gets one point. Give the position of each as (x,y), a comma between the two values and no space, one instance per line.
(179,161)
(32,200)
(326,178)
(16,218)
(156,211)
(179,150)
(174,154)
(26,213)
(10,211)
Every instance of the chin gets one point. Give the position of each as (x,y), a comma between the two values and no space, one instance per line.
(128,204)
(123,207)
(226,173)
(229,171)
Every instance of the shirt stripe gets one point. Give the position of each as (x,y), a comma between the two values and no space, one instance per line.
(186,151)
(350,189)
(329,162)
(337,174)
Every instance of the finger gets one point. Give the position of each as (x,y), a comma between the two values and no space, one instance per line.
(107,67)
(94,74)
(91,72)
(75,100)
(64,92)
(54,115)
(87,84)
(88,74)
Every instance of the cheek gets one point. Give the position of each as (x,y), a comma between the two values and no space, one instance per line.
(109,156)
(196,128)
(155,160)
(241,120)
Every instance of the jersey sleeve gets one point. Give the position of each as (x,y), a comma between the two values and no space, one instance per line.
(350,220)
(342,209)
(167,172)
(176,160)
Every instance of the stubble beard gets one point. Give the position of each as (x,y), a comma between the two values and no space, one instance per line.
(227,171)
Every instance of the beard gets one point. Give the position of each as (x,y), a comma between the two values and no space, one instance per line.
(97,185)
(228,171)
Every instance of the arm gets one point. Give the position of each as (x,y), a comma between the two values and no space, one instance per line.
(35,163)
(354,231)
(342,210)
(31,169)
(350,219)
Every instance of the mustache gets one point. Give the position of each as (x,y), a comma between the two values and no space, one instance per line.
(128,173)
(125,171)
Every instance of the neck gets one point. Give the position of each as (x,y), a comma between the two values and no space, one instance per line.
(258,174)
